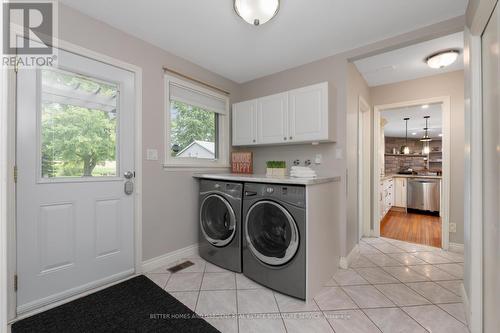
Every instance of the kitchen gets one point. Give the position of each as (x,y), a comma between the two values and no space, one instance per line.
(411,153)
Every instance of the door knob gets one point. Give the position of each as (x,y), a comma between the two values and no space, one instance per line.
(128,175)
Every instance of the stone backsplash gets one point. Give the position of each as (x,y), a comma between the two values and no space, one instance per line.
(393,164)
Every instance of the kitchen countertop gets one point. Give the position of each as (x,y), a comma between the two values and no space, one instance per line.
(267,179)
(409,176)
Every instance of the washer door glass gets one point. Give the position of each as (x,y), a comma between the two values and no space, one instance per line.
(217,220)
(271,233)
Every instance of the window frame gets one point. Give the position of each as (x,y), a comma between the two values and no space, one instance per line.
(222,132)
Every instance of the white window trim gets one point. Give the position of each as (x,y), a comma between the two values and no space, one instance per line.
(223,132)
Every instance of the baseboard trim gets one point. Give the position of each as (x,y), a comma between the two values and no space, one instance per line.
(456,247)
(345,262)
(169,258)
(465,301)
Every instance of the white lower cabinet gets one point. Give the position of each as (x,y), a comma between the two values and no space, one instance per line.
(400,187)
(386,196)
(296,116)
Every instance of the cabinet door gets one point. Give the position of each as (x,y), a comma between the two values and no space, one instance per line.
(308,113)
(272,118)
(400,192)
(245,123)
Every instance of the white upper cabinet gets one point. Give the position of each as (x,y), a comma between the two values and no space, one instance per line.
(272,116)
(308,113)
(245,123)
(295,116)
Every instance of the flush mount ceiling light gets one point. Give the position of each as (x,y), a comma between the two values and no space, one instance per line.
(256,12)
(442,59)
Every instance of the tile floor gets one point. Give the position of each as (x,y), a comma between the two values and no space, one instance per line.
(392,286)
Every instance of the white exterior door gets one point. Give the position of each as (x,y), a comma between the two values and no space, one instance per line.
(75,142)
(245,123)
(308,113)
(272,118)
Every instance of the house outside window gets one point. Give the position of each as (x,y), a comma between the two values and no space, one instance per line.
(197,126)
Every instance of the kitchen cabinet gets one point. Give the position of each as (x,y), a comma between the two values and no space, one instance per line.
(400,187)
(386,193)
(272,119)
(308,113)
(295,116)
(245,123)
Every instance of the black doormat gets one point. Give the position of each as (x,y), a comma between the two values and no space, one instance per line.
(136,305)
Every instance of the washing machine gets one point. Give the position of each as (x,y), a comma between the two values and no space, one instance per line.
(274,234)
(220,223)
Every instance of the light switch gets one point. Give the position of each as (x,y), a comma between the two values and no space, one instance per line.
(318,159)
(338,154)
(152,154)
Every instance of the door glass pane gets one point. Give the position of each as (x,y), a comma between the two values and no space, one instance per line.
(78,125)
(193,131)
(269,230)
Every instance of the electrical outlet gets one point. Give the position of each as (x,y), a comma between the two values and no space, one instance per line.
(453,227)
(152,155)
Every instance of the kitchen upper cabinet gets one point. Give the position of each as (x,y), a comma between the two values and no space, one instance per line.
(272,117)
(295,116)
(308,113)
(245,123)
(400,186)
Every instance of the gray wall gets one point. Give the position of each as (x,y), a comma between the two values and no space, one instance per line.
(169,198)
(449,84)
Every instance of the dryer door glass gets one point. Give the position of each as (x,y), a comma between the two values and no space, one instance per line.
(271,233)
(217,220)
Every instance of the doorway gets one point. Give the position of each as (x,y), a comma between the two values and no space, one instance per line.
(76,158)
(411,185)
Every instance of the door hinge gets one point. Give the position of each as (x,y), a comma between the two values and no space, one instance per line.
(15,282)
(15,173)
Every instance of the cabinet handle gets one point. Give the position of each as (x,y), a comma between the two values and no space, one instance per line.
(284,138)
(291,138)
(253,140)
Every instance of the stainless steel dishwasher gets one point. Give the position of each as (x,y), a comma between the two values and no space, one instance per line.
(424,194)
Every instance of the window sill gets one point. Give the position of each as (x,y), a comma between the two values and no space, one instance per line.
(193,167)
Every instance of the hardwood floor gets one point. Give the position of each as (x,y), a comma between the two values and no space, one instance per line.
(411,227)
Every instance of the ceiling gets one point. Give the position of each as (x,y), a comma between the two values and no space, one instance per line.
(210,34)
(395,126)
(408,63)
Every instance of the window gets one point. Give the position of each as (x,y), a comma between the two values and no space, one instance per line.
(78,126)
(197,126)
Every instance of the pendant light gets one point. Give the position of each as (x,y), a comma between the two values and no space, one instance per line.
(405,149)
(426,139)
(256,12)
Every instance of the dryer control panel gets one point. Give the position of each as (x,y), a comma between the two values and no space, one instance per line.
(293,194)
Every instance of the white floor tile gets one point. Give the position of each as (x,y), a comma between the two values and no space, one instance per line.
(394,320)
(291,304)
(456,310)
(162,269)
(367,297)
(216,302)
(188,298)
(159,279)
(306,322)
(256,301)
(406,259)
(435,319)
(242,282)
(348,277)
(388,248)
(434,292)
(350,321)
(261,323)
(184,282)
(225,324)
(218,281)
(383,260)
(198,267)
(401,295)
(334,298)
(211,268)
(405,274)
(376,275)
(432,258)
(362,261)
(432,272)
(455,286)
(457,270)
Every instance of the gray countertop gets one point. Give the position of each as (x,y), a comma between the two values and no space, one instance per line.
(409,176)
(267,179)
